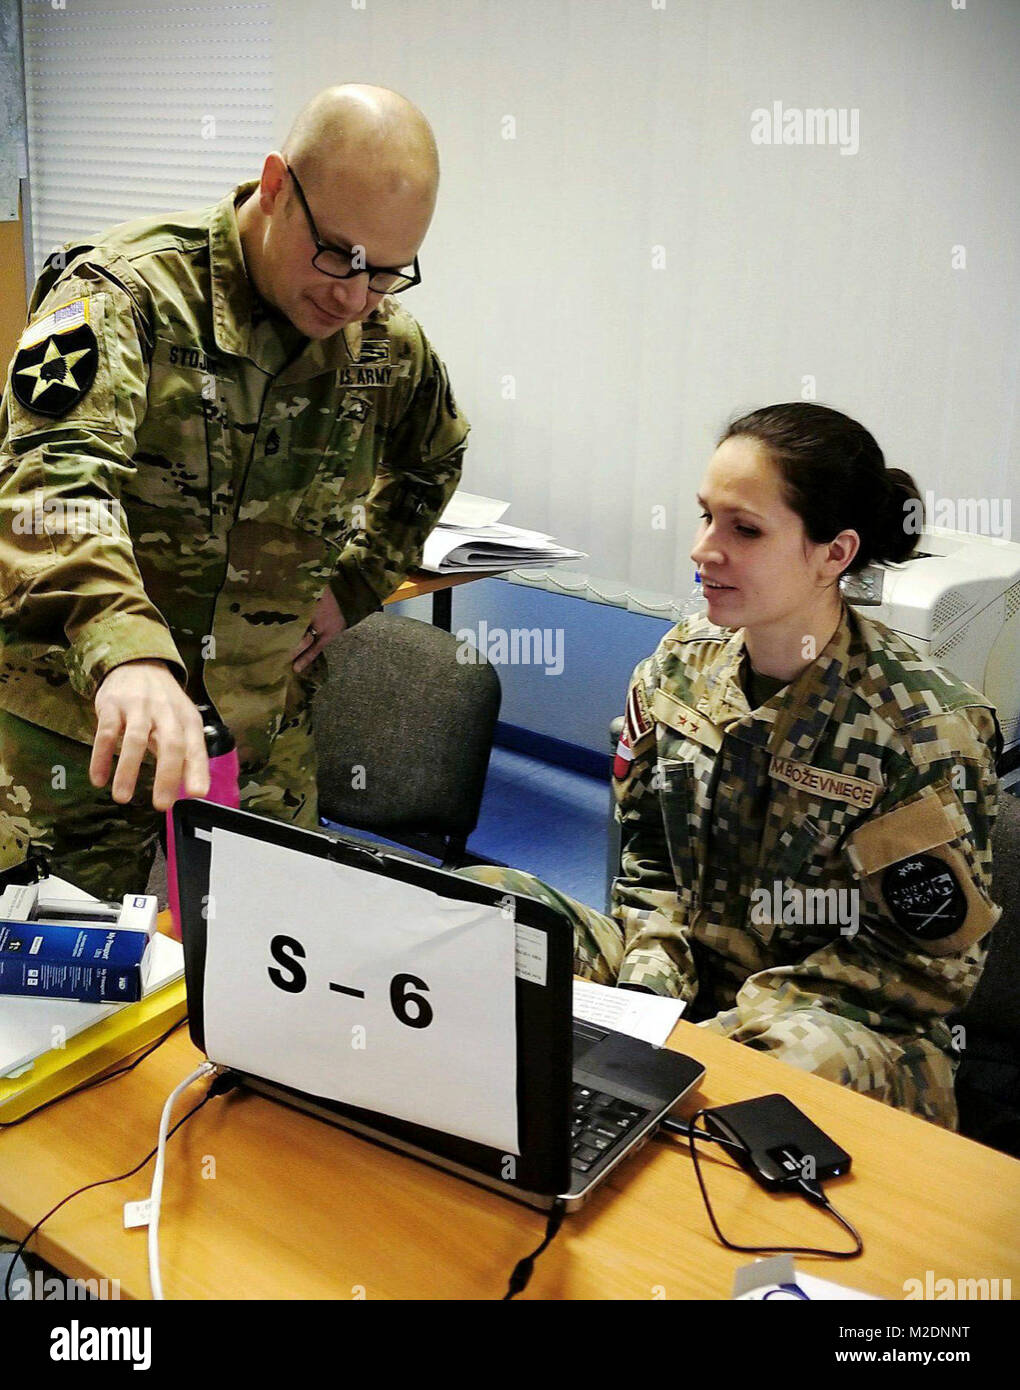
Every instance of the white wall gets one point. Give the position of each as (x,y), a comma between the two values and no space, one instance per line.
(633,130)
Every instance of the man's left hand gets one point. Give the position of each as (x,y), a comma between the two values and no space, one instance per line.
(326,623)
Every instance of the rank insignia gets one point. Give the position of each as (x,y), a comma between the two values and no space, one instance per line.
(56,361)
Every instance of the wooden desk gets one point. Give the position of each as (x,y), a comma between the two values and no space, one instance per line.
(264,1202)
(418,582)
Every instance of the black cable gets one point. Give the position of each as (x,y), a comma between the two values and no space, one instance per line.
(101,1183)
(95,1081)
(808,1186)
(672,1126)
(524,1269)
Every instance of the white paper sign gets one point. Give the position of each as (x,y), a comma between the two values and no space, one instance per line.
(361,989)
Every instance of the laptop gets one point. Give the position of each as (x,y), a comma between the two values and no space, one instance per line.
(586,1097)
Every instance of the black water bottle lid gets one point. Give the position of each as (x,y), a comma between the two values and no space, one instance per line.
(218,738)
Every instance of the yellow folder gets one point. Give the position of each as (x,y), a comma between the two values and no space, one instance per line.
(94,1050)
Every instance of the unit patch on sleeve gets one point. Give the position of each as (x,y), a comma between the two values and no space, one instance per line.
(56,361)
(924,897)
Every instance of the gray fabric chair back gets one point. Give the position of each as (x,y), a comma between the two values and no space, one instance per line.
(403,731)
(994,1006)
(988,1080)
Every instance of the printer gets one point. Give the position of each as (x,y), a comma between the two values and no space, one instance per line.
(957,601)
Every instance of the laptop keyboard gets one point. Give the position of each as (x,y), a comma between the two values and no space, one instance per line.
(600,1123)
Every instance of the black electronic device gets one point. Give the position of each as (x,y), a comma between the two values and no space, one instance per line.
(778,1144)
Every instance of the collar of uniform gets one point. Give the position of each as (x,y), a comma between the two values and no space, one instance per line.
(792,722)
(233,297)
(325,355)
(232,292)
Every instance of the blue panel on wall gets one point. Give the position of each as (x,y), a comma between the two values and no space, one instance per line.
(564,663)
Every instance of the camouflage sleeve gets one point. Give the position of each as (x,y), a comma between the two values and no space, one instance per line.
(657,953)
(922,868)
(417,476)
(75,393)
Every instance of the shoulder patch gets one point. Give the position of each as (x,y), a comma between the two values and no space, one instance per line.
(914,863)
(638,723)
(638,730)
(56,361)
(925,897)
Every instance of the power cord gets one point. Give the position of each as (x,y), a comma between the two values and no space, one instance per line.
(156,1191)
(673,1126)
(808,1187)
(524,1268)
(103,1182)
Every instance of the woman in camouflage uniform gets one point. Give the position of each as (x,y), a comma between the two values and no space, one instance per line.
(806,802)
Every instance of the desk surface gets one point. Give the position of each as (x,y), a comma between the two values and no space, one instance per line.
(420,582)
(262,1201)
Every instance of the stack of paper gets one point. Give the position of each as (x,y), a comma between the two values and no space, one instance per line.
(470,536)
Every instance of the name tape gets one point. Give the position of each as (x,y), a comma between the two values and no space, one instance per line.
(855,791)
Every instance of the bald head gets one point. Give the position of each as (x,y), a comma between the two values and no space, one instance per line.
(358,173)
(368,139)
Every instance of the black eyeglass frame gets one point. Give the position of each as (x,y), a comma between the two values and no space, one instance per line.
(369,270)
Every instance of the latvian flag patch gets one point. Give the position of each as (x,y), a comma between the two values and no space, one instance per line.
(637,725)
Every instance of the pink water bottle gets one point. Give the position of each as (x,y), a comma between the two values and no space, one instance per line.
(223,789)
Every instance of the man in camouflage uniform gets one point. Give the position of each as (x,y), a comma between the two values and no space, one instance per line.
(869,777)
(219,446)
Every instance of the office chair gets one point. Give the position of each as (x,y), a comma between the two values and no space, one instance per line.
(988,1078)
(403,732)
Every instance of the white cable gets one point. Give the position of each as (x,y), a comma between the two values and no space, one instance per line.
(156,1191)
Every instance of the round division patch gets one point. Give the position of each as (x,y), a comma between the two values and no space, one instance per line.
(924,897)
(51,376)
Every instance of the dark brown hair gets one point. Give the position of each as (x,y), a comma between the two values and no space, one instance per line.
(835,479)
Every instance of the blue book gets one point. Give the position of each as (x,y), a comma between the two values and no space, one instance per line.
(50,960)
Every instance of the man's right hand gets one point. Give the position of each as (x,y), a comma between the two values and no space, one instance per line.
(141,705)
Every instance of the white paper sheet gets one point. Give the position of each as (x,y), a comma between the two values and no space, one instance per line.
(471,509)
(362,931)
(647,1016)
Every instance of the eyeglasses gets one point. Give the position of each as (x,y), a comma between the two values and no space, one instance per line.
(339,264)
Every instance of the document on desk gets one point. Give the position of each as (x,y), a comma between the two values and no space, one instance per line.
(353,986)
(647,1016)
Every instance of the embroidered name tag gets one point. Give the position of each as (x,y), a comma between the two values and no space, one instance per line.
(855,791)
(668,710)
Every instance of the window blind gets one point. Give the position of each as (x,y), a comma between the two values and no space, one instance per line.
(137,108)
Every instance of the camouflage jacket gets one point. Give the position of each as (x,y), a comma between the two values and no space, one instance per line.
(869,778)
(182,474)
